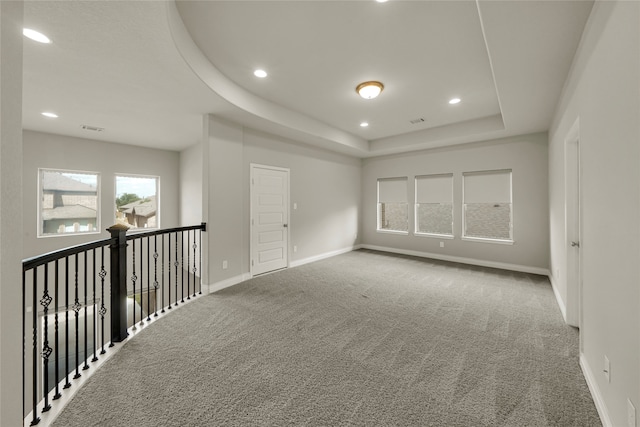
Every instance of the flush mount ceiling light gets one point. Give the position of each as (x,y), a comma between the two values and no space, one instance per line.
(364,124)
(454,101)
(369,90)
(260,73)
(35,36)
(50,115)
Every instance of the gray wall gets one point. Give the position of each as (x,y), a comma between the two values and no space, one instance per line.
(325,186)
(603,93)
(526,155)
(43,150)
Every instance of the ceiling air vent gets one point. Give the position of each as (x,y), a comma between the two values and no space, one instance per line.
(417,121)
(92,128)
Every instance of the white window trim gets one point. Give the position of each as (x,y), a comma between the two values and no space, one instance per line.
(384,230)
(435,236)
(509,241)
(39,225)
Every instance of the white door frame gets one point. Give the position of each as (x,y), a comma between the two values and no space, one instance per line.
(252,167)
(573,226)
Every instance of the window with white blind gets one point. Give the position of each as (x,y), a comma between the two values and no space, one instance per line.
(393,206)
(487,208)
(434,205)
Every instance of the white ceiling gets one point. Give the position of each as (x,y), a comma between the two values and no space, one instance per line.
(148,71)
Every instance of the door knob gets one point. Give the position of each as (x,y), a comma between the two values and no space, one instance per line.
(575,244)
(285,225)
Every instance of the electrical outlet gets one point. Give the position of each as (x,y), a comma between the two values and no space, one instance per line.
(295,249)
(607,369)
(442,244)
(224,264)
(631,414)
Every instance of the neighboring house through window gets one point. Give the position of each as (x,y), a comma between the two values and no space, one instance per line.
(393,208)
(488,209)
(68,202)
(137,201)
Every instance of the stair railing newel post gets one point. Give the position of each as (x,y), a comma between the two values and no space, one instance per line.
(118,275)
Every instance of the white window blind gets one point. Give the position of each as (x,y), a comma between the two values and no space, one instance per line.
(487,187)
(434,189)
(392,190)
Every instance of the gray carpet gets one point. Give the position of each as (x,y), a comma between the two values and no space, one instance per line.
(361,339)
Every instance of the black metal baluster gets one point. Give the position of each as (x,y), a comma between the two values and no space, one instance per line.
(34,308)
(176,265)
(86,315)
(103,310)
(66,322)
(141,256)
(163,257)
(94,327)
(77,307)
(200,261)
(57,395)
(133,280)
(46,350)
(195,270)
(188,264)
(148,282)
(169,264)
(155,275)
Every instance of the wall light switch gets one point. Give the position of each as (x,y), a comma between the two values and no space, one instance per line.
(295,206)
(224,264)
(295,249)
(442,244)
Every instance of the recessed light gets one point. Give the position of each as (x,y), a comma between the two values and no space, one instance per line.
(50,115)
(381,1)
(364,124)
(36,36)
(454,101)
(260,73)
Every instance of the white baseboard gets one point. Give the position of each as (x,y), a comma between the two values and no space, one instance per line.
(322,256)
(462,260)
(563,307)
(214,287)
(595,392)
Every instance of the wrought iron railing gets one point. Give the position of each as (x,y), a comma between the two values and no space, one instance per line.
(79,299)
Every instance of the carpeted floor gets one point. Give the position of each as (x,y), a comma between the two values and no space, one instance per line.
(361,339)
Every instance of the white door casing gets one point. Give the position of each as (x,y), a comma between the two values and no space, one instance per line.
(269,218)
(573,228)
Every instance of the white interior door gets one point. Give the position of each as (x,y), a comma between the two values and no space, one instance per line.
(269,218)
(573,228)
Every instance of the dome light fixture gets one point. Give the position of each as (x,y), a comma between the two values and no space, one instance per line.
(35,35)
(369,90)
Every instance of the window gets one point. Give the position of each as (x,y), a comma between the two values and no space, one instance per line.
(487,205)
(137,201)
(393,207)
(68,202)
(434,205)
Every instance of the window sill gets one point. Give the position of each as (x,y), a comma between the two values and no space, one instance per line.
(486,240)
(401,233)
(84,233)
(435,236)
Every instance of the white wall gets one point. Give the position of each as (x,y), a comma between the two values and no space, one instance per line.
(526,155)
(191,185)
(11,343)
(325,186)
(43,150)
(603,93)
